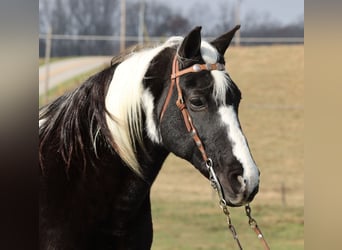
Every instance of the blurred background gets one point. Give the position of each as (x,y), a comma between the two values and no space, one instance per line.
(99,27)
(266,60)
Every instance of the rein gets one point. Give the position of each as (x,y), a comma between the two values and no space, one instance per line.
(176,73)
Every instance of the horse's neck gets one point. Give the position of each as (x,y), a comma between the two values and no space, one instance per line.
(151,163)
(135,200)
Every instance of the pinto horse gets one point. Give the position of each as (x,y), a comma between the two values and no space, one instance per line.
(102,145)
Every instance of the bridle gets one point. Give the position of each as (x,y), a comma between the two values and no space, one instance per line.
(176,73)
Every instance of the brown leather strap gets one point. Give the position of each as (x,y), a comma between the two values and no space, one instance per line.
(188,121)
(169,93)
(197,68)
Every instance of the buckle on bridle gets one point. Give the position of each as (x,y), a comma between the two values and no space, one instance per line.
(209,163)
(196,68)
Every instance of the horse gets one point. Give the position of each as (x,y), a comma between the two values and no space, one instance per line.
(102,145)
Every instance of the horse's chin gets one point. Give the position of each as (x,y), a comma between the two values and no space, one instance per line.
(238,195)
(235,202)
(240,199)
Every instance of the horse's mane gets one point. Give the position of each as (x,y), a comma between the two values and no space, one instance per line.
(76,123)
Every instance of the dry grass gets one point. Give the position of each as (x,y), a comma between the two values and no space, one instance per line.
(66,86)
(272,116)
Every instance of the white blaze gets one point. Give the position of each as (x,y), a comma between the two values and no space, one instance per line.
(239,146)
(230,120)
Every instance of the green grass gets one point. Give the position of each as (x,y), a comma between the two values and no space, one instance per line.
(202,225)
(186,215)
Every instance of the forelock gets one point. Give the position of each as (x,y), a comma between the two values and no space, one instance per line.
(221,78)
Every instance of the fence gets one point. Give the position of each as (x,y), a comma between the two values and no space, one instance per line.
(112,42)
(161,38)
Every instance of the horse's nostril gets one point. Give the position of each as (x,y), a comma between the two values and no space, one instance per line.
(242,182)
(236,180)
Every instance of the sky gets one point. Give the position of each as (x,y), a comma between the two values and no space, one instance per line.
(284,11)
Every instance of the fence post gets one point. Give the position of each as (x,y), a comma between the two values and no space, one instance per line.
(141,22)
(283,194)
(123,26)
(47,62)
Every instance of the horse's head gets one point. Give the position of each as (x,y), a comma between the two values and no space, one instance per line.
(212,101)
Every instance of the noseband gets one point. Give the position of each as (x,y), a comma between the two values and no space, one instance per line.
(176,73)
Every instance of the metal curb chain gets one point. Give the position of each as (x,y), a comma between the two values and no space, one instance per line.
(223,204)
(231,227)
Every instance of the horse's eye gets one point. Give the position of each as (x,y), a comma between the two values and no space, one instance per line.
(197,103)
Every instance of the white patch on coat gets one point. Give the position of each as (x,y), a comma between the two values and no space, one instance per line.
(151,126)
(240,146)
(41,122)
(124,102)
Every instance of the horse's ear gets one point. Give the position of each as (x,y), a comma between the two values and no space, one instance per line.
(191,44)
(222,42)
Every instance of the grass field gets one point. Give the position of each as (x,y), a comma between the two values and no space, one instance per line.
(52,59)
(66,86)
(185,210)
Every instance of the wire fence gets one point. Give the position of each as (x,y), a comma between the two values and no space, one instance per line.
(61,45)
(49,38)
(259,40)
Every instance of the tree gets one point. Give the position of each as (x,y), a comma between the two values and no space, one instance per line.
(263,25)
(160,20)
(83,17)
(102,17)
